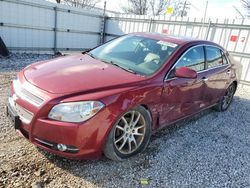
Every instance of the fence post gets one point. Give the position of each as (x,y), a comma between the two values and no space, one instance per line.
(103,25)
(150,24)
(55,31)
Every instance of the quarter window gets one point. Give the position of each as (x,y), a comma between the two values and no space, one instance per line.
(214,58)
(193,59)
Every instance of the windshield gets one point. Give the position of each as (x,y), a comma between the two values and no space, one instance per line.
(135,54)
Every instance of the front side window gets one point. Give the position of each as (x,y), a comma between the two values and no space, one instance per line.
(193,59)
(135,54)
(214,58)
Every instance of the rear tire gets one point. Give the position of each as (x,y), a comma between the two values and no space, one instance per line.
(130,135)
(226,99)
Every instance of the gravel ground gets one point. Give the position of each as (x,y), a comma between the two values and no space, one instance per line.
(15,62)
(210,150)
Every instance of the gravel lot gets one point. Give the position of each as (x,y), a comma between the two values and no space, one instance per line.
(210,150)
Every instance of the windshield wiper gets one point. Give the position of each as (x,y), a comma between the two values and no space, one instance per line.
(91,55)
(124,68)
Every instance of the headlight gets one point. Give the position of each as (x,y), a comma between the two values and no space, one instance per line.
(75,111)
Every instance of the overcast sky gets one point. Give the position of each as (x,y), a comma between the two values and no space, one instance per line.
(216,8)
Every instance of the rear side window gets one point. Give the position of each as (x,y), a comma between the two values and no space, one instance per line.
(214,57)
(194,59)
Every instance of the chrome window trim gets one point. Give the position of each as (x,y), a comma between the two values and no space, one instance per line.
(206,69)
(212,68)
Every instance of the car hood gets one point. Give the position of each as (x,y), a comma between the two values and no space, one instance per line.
(77,73)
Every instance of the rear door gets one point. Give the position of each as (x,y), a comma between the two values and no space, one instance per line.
(181,96)
(217,74)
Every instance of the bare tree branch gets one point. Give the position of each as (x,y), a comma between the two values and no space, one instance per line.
(139,7)
(156,7)
(246,5)
(79,3)
(159,6)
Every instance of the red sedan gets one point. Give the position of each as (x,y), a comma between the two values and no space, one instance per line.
(112,98)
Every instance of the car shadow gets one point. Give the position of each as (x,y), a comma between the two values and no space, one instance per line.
(104,171)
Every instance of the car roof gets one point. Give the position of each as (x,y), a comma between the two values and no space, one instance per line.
(180,40)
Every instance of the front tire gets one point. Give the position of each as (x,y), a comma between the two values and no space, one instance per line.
(226,100)
(130,135)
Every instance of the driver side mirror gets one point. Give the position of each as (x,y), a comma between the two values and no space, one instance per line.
(185,72)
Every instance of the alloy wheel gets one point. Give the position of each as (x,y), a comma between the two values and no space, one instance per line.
(227,98)
(129,132)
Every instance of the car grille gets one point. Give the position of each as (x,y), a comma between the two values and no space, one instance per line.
(24,115)
(27,95)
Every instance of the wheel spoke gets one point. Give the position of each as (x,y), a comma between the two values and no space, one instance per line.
(136,129)
(225,101)
(137,119)
(134,140)
(124,142)
(228,97)
(124,120)
(231,90)
(132,118)
(119,139)
(138,134)
(141,126)
(129,146)
(119,127)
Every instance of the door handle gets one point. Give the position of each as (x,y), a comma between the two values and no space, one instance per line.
(204,79)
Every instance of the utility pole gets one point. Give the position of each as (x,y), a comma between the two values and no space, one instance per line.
(103,23)
(204,19)
(205,13)
(184,7)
